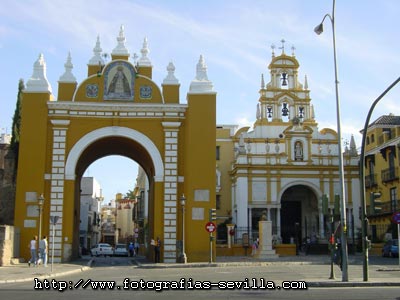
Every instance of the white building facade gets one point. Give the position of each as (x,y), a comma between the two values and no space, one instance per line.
(90,226)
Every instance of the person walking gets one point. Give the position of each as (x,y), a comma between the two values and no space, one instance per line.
(131,249)
(136,244)
(43,246)
(157,250)
(33,249)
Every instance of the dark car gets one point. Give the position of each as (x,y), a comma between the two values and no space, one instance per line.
(391,248)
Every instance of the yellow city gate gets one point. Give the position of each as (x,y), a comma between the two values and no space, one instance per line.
(117,110)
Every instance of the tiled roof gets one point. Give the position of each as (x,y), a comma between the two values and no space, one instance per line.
(387,120)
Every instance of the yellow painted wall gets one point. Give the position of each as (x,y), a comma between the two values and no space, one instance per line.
(199,170)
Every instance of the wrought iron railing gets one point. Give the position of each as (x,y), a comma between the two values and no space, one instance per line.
(390,174)
(370,180)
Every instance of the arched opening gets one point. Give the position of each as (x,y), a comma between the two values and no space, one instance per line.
(104,147)
(299,214)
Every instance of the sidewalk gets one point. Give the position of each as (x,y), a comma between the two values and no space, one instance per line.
(22,272)
(313,269)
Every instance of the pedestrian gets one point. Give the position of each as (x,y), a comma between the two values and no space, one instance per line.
(33,249)
(157,250)
(131,249)
(136,245)
(43,246)
(255,247)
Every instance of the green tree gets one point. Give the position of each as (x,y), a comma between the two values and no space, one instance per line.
(16,122)
(130,195)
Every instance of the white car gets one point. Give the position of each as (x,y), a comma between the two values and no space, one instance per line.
(102,249)
(120,250)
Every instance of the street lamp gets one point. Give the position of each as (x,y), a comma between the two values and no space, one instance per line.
(40,209)
(318,30)
(183,202)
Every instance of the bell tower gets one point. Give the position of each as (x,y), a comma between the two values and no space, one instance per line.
(284,99)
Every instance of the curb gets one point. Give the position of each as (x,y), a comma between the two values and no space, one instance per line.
(49,275)
(323,284)
(313,284)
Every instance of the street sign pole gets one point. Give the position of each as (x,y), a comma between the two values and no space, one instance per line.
(398,241)
(211,241)
(210,228)
(53,220)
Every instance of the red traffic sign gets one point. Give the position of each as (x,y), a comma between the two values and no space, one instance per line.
(396,217)
(210,227)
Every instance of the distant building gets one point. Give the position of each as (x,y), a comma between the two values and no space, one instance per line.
(124,218)
(382,153)
(140,216)
(5,138)
(89,228)
(109,234)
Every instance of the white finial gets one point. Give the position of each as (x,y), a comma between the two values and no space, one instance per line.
(96,59)
(144,60)
(121,48)
(262,82)
(312,112)
(201,69)
(68,76)
(353,147)
(201,83)
(38,81)
(171,79)
(305,82)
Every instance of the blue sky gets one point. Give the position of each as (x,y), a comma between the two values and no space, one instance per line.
(235,38)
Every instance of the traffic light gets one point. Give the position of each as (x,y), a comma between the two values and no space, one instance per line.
(375,202)
(212,214)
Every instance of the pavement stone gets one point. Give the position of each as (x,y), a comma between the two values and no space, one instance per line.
(314,269)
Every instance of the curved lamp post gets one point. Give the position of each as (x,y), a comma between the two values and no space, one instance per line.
(364,219)
(183,202)
(318,30)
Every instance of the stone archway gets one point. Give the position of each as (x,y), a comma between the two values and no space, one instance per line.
(103,142)
(299,214)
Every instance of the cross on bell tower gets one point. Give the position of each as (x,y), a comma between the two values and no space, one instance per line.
(283,46)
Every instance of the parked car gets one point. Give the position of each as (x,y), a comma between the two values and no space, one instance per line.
(120,250)
(102,249)
(391,248)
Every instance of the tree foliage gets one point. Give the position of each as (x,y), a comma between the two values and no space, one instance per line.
(16,122)
(130,195)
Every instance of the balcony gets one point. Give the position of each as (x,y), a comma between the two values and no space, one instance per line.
(390,174)
(370,181)
(387,208)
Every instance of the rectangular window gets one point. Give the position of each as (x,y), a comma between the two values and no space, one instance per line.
(217,152)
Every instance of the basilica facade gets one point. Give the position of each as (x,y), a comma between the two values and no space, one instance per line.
(284,164)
